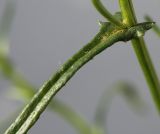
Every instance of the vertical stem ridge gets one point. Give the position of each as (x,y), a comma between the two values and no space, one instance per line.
(142,53)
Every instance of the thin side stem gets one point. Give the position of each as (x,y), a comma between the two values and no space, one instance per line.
(142,52)
(105,13)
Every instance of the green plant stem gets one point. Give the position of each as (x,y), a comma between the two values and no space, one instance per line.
(108,35)
(33,110)
(141,51)
(27,91)
(63,110)
(104,12)
(24,88)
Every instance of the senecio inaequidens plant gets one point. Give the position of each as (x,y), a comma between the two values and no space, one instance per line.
(122,26)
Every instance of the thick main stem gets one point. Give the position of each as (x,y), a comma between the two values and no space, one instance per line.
(27,91)
(141,51)
(33,110)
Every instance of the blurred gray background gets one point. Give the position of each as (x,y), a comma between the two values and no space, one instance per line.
(45,33)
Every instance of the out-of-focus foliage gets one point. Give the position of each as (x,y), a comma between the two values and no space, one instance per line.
(5,26)
(156,28)
(127,91)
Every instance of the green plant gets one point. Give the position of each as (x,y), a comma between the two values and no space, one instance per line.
(117,29)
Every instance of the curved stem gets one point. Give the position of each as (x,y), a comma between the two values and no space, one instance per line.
(104,39)
(27,91)
(142,52)
(104,12)
(33,110)
(57,106)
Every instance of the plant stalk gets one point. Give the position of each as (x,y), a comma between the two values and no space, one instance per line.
(129,18)
(27,91)
(105,13)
